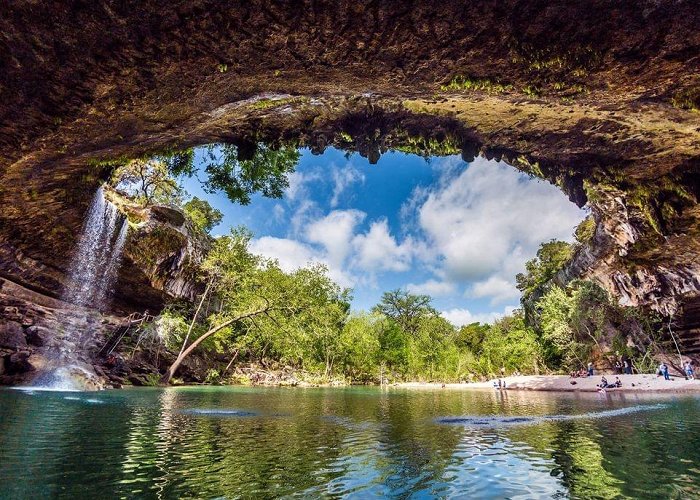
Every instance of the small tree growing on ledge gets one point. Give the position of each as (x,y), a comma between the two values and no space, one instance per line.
(148,181)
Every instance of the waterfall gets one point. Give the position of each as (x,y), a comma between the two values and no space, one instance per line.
(91,276)
(93,269)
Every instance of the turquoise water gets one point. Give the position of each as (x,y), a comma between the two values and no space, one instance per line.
(356,442)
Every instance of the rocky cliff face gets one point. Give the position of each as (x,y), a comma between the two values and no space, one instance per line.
(43,337)
(598,97)
(161,257)
(646,251)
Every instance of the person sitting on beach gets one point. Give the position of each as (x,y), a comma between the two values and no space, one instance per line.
(618,382)
(603,383)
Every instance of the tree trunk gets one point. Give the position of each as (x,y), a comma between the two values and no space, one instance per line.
(165,379)
(235,355)
(196,313)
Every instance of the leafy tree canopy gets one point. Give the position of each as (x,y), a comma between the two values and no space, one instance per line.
(202,214)
(263,170)
(405,308)
(551,258)
(148,181)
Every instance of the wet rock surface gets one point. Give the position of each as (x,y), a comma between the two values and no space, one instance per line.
(12,335)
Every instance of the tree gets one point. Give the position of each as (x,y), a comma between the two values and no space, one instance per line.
(202,214)
(585,230)
(149,181)
(432,349)
(264,170)
(360,345)
(326,309)
(510,343)
(560,344)
(393,343)
(405,308)
(252,292)
(575,319)
(472,336)
(551,258)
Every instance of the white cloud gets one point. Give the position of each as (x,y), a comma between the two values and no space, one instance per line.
(302,215)
(433,288)
(291,254)
(410,208)
(460,317)
(499,289)
(296,189)
(377,250)
(485,222)
(342,179)
(335,233)
(474,229)
(278,212)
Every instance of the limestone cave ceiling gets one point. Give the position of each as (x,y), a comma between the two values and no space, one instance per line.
(599,97)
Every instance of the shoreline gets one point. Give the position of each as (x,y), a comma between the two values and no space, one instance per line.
(639,383)
(563,383)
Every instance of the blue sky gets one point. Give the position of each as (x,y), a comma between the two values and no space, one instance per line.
(456,231)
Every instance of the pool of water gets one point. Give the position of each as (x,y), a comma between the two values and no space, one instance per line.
(225,442)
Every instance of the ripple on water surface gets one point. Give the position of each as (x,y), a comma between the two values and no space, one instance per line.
(499,421)
(218,412)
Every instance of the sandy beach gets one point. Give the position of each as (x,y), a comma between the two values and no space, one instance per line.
(564,383)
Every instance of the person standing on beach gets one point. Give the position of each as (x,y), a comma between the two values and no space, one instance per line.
(664,371)
(689,371)
(590,369)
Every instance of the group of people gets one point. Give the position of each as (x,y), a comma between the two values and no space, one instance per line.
(623,365)
(605,385)
(588,372)
(663,371)
(688,369)
(501,384)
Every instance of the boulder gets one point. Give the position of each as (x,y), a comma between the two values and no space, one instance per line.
(18,362)
(38,335)
(12,335)
(168,215)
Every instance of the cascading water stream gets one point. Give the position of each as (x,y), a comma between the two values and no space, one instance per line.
(91,277)
(93,269)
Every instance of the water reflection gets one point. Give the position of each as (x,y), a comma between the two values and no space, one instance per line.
(213,442)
